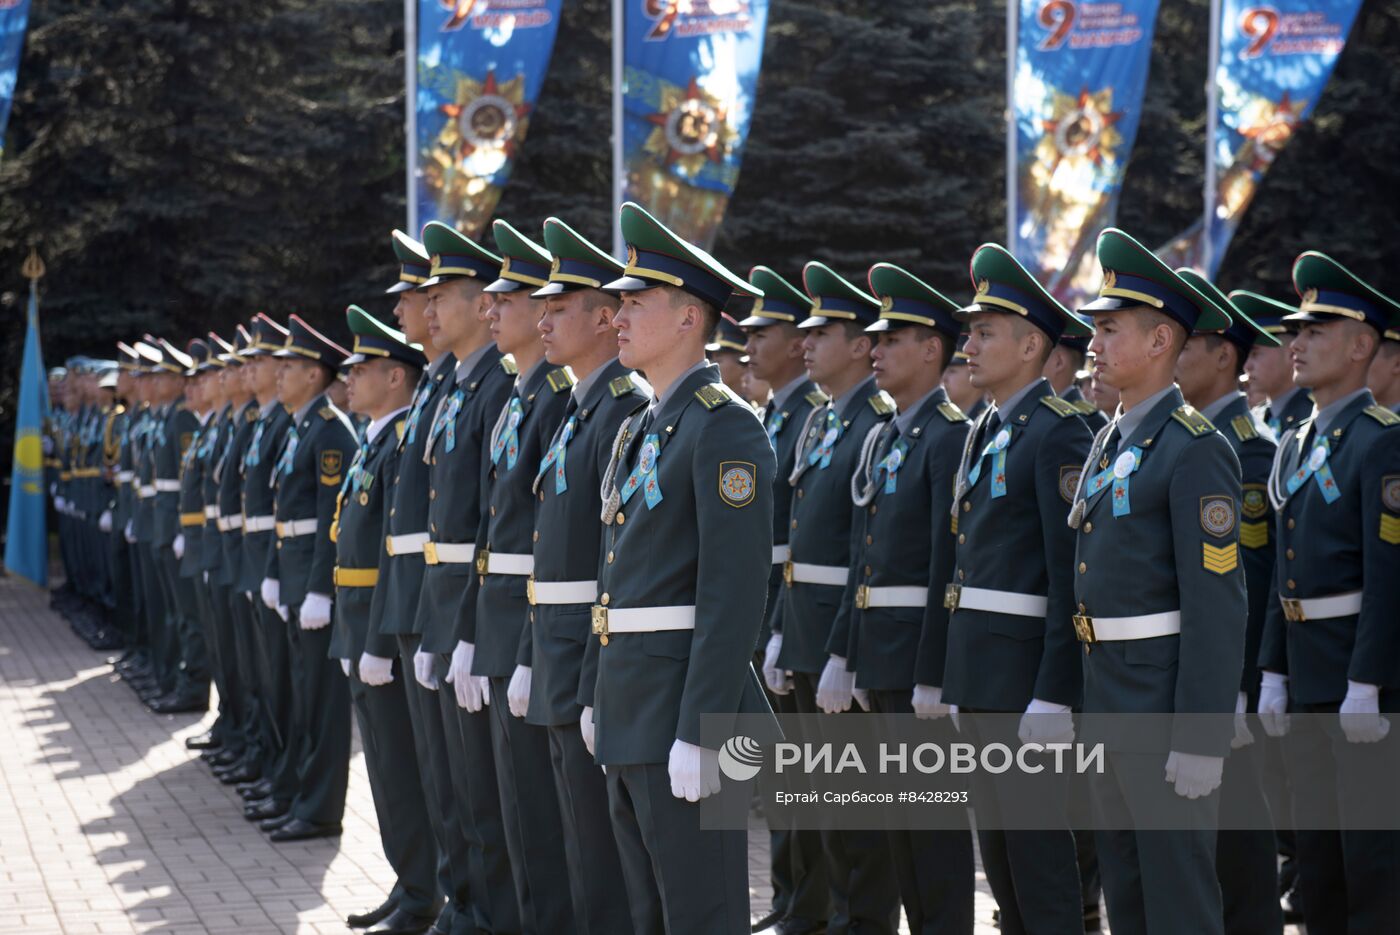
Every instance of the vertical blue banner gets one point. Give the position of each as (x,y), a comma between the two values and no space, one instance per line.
(26,532)
(14,17)
(1275,59)
(1080,72)
(690,75)
(481,64)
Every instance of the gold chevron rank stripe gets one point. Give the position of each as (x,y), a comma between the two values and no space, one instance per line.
(1221,559)
(1390,529)
(1254,535)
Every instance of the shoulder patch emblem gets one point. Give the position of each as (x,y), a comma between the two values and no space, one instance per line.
(737,483)
(951,412)
(560,380)
(186,439)
(508,365)
(326,412)
(1244,428)
(1382,415)
(712,395)
(817,398)
(1060,407)
(331,461)
(1069,481)
(1390,492)
(1194,422)
(1254,501)
(250,414)
(882,404)
(621,386)
(1218,515)
(1220,559)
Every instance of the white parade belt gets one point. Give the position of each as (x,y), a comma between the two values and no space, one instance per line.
(211,512)
(295,527)
(890,596)
(957,597)
(1297,610)
(561,592)
(125,477)
(145,491)
(166,485)
(802,573)
(230,523)
(410,543)
(610,620)
(259,523)
(781,554)
(449,553)
(504,563)
(1109,629)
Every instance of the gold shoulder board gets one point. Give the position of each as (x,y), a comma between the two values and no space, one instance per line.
(621,386)
(1194,422)
(882,404)
(1382,415)
(712,395)
(508,365)
(817,398)
(951,412)
(1244,428)
(1060,407)
(1085,407)
(326,412)
(560,380)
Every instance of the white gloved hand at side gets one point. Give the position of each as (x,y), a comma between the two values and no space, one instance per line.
(585,727)
(60,505)
(694,771)
(423,670)
(472,692)
(315,611)
(518,691)
(345,667)
(104,522)
(376,670)
(928,702)
(1046,722)
(271,592)
(779,681)
(282,612)
(1192,775)
(178,546)
(1243,735)
(128,533)
(1273,703)
(836,687)
(1361,714)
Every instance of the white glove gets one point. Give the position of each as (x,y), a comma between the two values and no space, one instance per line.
(779,680)
(376,670)
(585,727)
(315,611)
(1273,703)
(60,504)
(271,592)
(178,546)
(423,670)
(694,771)
(206,577)
(1243,735)
(128,534)
(1360,714)
(928,702)
(1194,776)
(1046,722)
(953,713)
(861,697)
(345,667)
(282,612)
(518,691)
(835,688)
(473,692)
(104,522)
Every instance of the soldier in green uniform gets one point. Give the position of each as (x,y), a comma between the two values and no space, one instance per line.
(576,331)
(726,351)
(836,351)
(801,894)
(1011,647)
(957,383)
(126,591)
(1383,378)
(1270,366)
(687,506)
(455,453)
(520,429)
(1160,597)
(394,607)
(893,627)
(1331,645)
(384,371)
(308,473)
(1066,362)
(156,678)
(1208,373)
(138,667)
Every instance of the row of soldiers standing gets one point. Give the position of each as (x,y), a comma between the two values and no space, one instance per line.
(442,567)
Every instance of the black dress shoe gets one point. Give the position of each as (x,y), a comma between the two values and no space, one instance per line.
(225,758)
(191,704)
(240,772)
(298,829)
(252,791)
(203,742)
(767,922)
(364,920)
(400,922)
(273,822)
(265,809)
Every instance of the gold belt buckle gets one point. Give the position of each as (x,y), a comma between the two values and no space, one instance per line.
(787,572)
(278,526)
(1084,628)
(952,595)
(863,597)
(1293,610)
(389,545)
(600,624)
(483,560)
(430,553)
(530,590)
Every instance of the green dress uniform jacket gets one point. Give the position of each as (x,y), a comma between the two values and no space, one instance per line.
(1294,410)
(1327,548)
(901,538)
(173,436)
(122,502)
(819,532)
(1176,548)
(394,607)
(1017,541)
(310,478)
(359,536)
(784,427)
(194,463)
(456,495)
(147,429)
(260,491)
(567,545)
(704,541)
(526,422)
(228,476)
(211,557)
(1090,413)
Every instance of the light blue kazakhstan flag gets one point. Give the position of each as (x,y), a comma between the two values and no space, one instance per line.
(26,534)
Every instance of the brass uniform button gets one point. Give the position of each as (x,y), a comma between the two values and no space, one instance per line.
(432,495)
(1088,527)
(962,575)
(794,524)
(800,493)
(610,558)
(622,518)
(869,540)
(872,509)
(962,538)
(604,599)
(541,496)
(493,511)
(1083,568)
(1292,585)
(868,572)
(966,506)
(1291,523)
(1289,553)
(393,510)
(537,536)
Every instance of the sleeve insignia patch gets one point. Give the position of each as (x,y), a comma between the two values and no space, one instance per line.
(186,439)
(1390,492)
(1255,503)
(712,395)
(1254,535)
(1194,422)
(1244,428)
(951,412)
(1382,415)
(1390,529)
(1069,481)
(330,462)
(737,483)
(882,404)
(1218,515)
(1220,559)
(1062,408)
(560,380)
